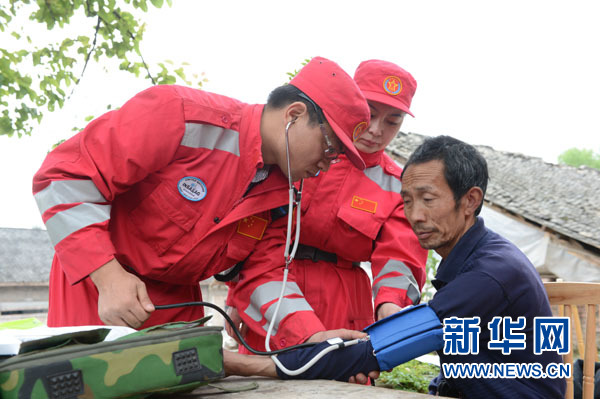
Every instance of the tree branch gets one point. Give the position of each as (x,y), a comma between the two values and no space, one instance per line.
(139,51)
(87,57)
(88,10)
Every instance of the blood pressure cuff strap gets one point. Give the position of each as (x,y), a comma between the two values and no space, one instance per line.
(340,364)
(405,335)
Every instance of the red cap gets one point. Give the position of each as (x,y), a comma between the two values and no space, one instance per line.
(386,83)
(342,102)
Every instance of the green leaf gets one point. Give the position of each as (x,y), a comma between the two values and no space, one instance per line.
(142,4)
(83,40)
(58,143)
(410,376)
(157,3)
(6,126)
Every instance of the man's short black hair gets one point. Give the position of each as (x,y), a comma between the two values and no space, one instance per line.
(287,94)
(464,166)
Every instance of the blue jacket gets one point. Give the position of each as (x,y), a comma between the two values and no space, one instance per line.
(485,275)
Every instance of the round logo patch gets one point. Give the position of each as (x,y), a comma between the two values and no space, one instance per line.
(392,85)
(359,130)
(192,188)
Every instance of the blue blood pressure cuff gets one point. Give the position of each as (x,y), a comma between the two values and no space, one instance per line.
(339,365)
(405,335)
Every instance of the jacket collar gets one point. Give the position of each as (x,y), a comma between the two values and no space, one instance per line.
(452,266)
(371,159)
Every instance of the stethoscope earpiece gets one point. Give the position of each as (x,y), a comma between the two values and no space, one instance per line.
(290,123)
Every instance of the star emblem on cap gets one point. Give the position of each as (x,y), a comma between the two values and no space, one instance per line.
(359,129)
(392,85)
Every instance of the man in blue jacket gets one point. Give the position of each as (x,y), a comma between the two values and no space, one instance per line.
(482,275)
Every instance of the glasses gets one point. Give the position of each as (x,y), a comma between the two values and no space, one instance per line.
(331,154)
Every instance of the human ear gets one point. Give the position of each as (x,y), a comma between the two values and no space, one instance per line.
(294,111)
(472,199)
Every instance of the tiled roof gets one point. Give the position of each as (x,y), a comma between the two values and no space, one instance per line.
(25,255)
(562,198)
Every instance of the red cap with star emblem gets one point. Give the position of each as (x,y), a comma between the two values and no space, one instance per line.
(340,99)
(386,83)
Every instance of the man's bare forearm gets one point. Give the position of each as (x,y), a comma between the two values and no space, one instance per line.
(246,365)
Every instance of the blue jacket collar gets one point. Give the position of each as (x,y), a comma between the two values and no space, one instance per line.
(451,266)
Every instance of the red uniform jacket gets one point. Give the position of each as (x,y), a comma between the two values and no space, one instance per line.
(159,185)
(357,215)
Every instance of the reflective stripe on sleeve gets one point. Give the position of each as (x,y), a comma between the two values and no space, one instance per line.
(211,137)
(287,307)
(69,221)
(384,181)
(268,292)
(67,192)
(405,282)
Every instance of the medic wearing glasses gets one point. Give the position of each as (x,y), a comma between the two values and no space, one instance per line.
(141,204)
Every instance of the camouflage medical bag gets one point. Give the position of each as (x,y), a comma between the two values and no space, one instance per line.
(165,359)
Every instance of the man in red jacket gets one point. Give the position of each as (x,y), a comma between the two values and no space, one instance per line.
(348,216)
(141,204)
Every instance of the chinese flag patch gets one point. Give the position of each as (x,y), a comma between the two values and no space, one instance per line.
(252,226)
(364,204)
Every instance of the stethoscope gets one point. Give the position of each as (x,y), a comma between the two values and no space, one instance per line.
(295,198)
